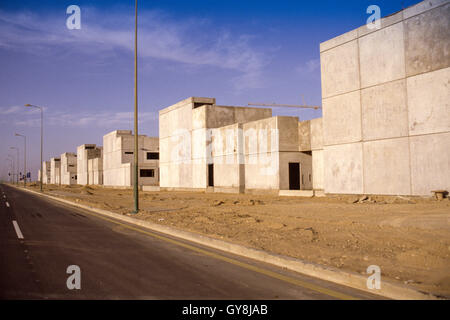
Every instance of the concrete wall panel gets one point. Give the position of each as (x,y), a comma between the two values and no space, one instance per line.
(243,115)
(382,56)
(304,135)
(427,42)
(317,134)
(317,169)
(261,136)
(287,133)
(384,111)
(340,71)
(199,118)
(343,169)
(430,162)
(429,102)
(386,167)
(342,119)
(261,171)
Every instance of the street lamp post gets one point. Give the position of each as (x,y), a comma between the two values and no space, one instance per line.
(136,137)
(24,158)
(11,158)
(17,160)
(12,169)
(42,135)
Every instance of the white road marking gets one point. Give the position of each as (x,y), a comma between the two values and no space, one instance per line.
(7,204)
(16,227)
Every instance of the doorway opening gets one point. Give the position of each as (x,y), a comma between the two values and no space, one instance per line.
(211,175)
(294,176)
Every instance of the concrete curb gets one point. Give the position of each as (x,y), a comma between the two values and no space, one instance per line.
(350,279)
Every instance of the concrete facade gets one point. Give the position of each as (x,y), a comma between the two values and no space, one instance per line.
(68,168)
(228,158)
(45,172)
(95,171)
(271,145)
(230,149)
(310,135)
(90,164)
(55,171)
(118,158)
(185,133)
(386,105)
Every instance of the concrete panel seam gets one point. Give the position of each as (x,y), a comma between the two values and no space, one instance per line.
(361,113)
(380,84)
(389,138)
(407,113)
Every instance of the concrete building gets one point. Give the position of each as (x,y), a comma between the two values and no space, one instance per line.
(386,105)
(185,131)
(273,161)
(55,171)
(45,172)
(230,149)
(68,168)
(310,135)
(118,157)
(90,164)
(95,171)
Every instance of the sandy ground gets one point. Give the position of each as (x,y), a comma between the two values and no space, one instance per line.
(409,238)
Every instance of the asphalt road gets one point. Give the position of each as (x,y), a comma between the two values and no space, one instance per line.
(120,261)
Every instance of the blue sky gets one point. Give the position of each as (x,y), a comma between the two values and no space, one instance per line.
(238,51)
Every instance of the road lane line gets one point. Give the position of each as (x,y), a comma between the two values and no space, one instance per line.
(18,232)
(7,204)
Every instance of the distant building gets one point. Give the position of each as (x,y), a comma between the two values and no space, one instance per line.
(230,149)
(68,168)
(118,159)
(45,172)
(55,171)
(95,170)
(90,164)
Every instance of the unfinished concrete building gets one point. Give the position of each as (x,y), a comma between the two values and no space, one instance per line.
(55,171)
(230,149)
(90,164)
(68,168)
(185,130)
(95,171)
(386,105)
(310,135)
(118,159)
(45,172)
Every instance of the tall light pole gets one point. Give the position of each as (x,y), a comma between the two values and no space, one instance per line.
(11,158)
(24,157)
(42,135)
(17,160)
(11,168)
(136,137)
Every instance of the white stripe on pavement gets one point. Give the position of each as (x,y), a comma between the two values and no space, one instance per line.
(7,204)
(16,227)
